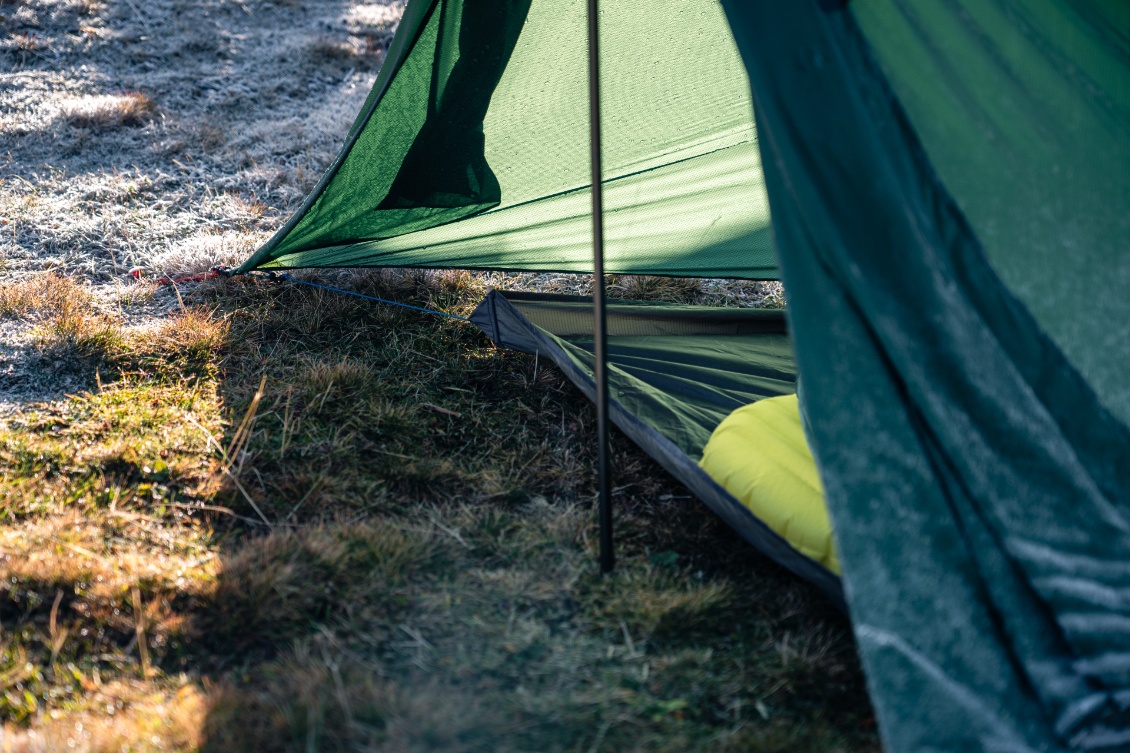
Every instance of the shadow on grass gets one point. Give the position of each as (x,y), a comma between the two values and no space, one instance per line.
(357,529)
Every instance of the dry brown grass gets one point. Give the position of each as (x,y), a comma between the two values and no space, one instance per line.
(106,112)
(75,332)
(182,345)
(27,42)
(327,50)
(70,325)
(72,331)
(209,134)
(88,7)
(149,720)
(101,545)
(37,294)
(646,288)
(364,51)
(279,586)
(260,534)
(338,700)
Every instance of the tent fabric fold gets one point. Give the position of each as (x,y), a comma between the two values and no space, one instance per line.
(979,489)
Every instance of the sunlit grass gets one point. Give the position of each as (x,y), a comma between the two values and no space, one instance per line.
(111,111)
(283,519)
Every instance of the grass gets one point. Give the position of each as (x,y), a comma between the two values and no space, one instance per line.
(289,520)
(110,111)
(365,52)
(38,294)
(73,332)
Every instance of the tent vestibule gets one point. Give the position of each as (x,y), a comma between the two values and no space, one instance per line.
(941,184)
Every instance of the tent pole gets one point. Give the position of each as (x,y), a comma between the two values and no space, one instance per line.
(600,335)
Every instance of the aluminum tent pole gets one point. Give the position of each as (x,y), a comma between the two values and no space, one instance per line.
(600,334)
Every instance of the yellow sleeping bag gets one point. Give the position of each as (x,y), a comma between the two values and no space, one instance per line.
(759,454)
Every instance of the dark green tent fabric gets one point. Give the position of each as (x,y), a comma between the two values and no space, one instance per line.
(471,120)
(1023,109)
(979,487)
(674,373)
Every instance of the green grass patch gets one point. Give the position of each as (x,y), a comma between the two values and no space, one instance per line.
(290,520)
